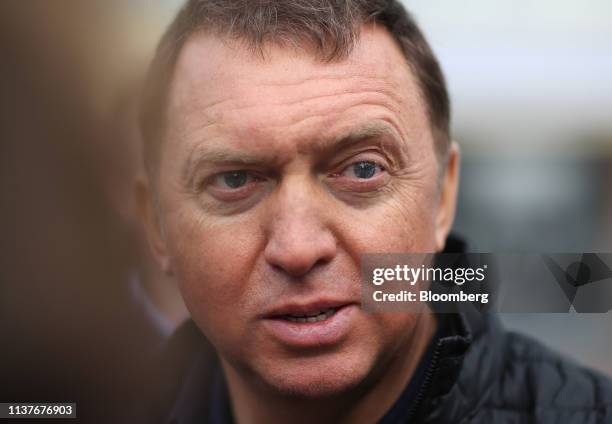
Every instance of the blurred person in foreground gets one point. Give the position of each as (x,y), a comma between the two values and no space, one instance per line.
(72,325)
(283,139)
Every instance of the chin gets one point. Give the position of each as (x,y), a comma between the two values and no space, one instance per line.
(318,376)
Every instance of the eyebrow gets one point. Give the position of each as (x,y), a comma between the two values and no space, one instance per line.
(384,133)
(202,154)
(381,131)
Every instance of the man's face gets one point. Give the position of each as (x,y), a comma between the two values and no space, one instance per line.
(275,175)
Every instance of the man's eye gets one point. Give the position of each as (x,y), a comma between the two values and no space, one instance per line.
(232,180)
(235,185)
(363,170)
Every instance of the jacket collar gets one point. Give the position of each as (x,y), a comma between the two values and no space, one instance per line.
(469,358)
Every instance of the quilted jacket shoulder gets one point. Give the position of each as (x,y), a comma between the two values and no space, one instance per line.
(507,377)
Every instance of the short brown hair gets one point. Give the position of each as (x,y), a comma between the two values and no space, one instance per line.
(329,28)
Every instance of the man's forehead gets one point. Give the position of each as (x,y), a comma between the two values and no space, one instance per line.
(209,61)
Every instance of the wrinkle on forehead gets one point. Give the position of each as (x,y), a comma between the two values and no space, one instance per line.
(359,86)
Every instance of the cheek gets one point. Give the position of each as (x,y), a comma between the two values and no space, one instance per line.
(403,222)
(212,267)
(395,325)
(379,336)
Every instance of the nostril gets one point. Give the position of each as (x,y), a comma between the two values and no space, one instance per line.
(293,263)
(300,258)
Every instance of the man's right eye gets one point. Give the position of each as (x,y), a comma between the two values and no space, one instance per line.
(232,180)
(233,185)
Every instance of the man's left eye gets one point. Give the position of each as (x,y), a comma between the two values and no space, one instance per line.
(363,170)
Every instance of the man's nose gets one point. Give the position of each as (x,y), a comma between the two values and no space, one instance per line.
(299,235)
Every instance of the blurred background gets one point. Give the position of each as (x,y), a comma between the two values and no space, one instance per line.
(531,85)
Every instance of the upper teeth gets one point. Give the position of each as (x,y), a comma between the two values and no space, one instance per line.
(311,316)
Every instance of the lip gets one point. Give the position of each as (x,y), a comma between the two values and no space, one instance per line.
(305,308)
(304,335)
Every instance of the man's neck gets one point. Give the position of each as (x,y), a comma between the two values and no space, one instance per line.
(365,403)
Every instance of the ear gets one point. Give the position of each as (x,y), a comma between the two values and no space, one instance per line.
(149,214)
(447,202)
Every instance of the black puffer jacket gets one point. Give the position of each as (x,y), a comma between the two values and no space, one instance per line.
(484,374)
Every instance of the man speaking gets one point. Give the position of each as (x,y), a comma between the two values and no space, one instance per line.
(283,140)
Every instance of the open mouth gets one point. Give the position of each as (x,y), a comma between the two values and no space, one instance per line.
(309,317)
(311,325)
